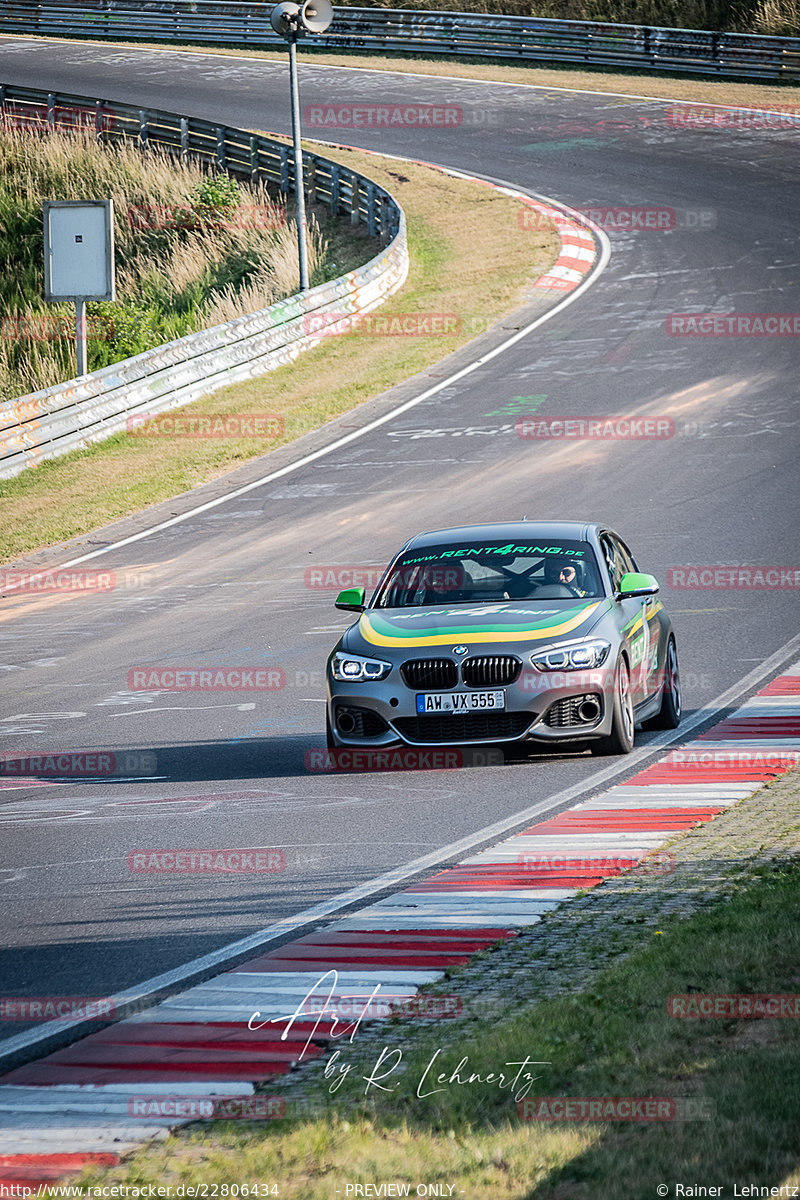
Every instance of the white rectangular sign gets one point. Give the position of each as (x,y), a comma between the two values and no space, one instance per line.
(78,250)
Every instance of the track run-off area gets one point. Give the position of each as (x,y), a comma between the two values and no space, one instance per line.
(233,585)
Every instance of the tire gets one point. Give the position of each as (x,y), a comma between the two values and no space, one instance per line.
(620,740)
(329,732)
(669,715)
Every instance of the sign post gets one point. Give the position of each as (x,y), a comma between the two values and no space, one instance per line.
(79,258)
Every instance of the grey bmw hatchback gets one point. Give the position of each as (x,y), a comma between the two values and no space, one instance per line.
(525,632)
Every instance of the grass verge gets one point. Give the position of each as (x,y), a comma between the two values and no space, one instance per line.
(446,218)
(735,1083)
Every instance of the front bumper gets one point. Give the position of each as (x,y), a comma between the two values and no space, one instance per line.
(540,707)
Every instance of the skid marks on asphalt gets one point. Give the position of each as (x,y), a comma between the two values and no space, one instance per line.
(275,801)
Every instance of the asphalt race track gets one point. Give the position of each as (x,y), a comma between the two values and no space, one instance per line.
(229,586)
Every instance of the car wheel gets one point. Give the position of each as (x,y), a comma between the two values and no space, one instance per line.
(329,732)
(669,715)
(620,740)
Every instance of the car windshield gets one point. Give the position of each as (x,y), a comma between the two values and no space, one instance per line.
(471,573)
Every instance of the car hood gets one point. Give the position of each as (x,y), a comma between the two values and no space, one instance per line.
(477,624)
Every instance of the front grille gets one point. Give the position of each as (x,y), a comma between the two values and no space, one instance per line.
(429,673)
(366,723)
(565,712)
(490,670)
(466,727)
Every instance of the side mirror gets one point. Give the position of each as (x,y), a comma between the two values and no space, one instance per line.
(352,599)
(634,583)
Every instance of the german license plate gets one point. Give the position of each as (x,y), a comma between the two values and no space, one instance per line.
(460,702)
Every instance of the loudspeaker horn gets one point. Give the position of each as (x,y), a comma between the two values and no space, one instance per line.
(282,16)
(316,15)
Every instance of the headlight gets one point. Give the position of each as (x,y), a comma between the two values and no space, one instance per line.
(572,656)
(356,669)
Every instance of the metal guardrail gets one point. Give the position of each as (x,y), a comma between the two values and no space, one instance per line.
(524,39)
(85,410)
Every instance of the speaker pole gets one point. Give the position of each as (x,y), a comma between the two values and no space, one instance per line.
(288,20)
(298,164)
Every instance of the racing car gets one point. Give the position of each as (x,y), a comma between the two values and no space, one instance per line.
(518,633)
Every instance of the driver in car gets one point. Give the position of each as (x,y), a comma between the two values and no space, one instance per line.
(563,571)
